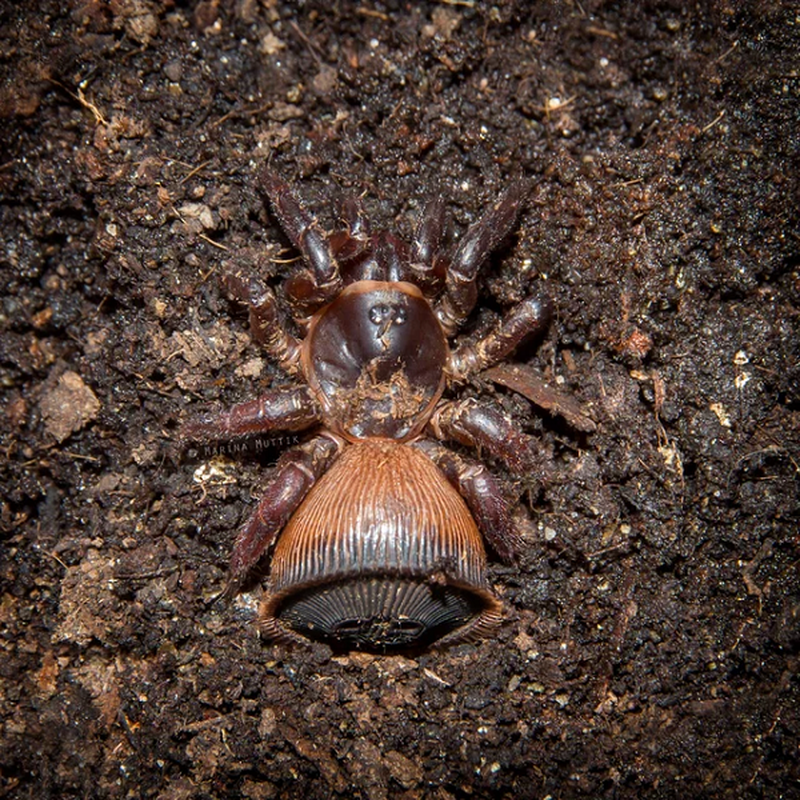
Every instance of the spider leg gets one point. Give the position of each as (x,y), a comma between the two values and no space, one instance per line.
(481,426)
(483,496)
(480,239)
(297,471)
(266,326)
(351,239)
(525,319)
(352,215)
(290,409)
(428,265)
(323,282)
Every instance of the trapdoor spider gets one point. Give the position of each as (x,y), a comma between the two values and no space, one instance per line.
(378,528)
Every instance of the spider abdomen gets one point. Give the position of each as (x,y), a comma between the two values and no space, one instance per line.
(382,554)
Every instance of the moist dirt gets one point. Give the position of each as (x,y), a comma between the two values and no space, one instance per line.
(652,634)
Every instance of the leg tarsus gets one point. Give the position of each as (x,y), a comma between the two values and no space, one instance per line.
(428,265)
(266,326)
(352,237)
(525,319)
(306,234)
(485,234)
(350,213)
(473,249)
(429,233)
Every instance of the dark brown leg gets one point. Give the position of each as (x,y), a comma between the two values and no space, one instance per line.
(480,426)
(323,282)
(352,236)
(352,216)
(266,326)
(482,494)
(296,472)
(525,319)
(427,262)
(473,249)
(291,409)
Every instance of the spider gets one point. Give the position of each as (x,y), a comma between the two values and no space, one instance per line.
(378,528)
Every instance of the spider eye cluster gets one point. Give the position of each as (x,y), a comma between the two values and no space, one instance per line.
(375,358)
(384,314)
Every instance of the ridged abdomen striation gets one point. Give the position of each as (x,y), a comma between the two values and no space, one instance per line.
(382,552)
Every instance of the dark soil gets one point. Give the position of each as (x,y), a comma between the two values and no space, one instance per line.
(652,641)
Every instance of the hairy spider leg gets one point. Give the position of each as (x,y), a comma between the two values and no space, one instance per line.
(481,238)
(266,326)
(312,288)
(525,319)
(297,471)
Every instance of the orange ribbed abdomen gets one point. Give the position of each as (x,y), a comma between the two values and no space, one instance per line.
(382,553)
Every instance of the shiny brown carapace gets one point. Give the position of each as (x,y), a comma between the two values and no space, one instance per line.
(377,529)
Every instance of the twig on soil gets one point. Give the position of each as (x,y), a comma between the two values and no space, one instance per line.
(81,98)
(194,172)
(713,122)
(211,241)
